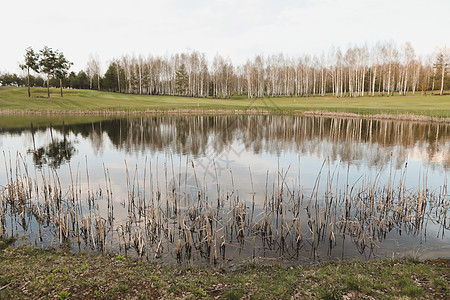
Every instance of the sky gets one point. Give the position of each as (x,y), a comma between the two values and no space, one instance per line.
(235,29)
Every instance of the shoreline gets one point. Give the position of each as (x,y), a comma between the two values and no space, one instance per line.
(30,273)
(312,113)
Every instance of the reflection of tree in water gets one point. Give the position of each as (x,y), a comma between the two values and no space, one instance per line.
(347,140)
(54,154)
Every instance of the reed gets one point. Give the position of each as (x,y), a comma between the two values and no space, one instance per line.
(364,212)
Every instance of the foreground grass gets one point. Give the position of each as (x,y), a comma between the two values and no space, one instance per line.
(13,99)
(27,273)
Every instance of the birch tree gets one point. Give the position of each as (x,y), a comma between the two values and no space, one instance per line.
(93,70)
(354,72)
(441,65)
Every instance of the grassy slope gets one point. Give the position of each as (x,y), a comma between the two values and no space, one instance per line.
(27,273)
(12,98)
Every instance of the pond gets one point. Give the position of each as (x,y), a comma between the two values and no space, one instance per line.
(215,189)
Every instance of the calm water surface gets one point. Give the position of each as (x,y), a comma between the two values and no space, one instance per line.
(225,188)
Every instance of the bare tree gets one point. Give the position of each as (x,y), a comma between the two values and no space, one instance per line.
(442,64)
(357,71)
(93,70)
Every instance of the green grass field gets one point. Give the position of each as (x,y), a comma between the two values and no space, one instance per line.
(13,99)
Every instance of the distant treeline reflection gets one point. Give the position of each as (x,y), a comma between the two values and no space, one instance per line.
(349,140)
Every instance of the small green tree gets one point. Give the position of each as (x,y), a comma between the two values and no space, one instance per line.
(181,80)
(31,62)
(72,81)
(109,81)
(47,63)
(83,80)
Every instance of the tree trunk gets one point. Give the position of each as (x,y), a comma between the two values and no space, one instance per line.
(48,84)
(140,79)
(442,78)
(29,92)
(322,92)
(373,82)
(363,80)
(389,80)
(434,79)
(405,85)
(60,85)
(118,77)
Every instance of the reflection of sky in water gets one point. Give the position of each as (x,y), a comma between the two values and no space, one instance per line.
(304,165)
(100,151)
(299,162)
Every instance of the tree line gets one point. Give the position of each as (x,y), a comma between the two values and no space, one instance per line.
(383,69)
(72,80)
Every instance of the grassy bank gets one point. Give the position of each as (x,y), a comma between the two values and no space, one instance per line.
(11,121)
(27,273)
(14,100)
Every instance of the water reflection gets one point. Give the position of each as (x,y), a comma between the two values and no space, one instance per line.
(373,142)
(54,154)
(199,187)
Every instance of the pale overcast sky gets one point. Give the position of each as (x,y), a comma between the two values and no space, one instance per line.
(238,29)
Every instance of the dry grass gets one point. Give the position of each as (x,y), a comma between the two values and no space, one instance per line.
(171,220)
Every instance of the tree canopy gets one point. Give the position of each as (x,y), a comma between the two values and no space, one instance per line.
(48,61)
